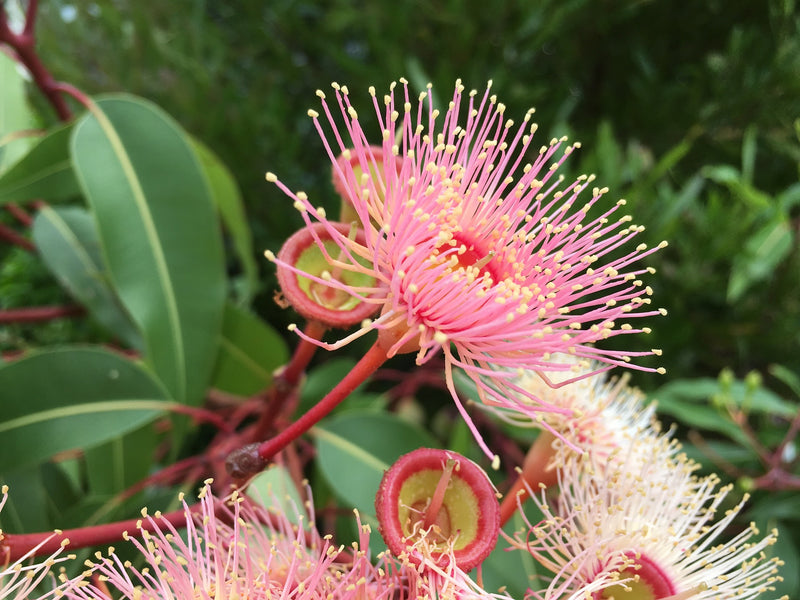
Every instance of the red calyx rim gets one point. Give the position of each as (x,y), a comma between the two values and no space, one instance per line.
(292,252)
(474,525)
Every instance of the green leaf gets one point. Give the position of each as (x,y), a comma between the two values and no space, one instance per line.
(736,183)
(513,571)
(226,195)
(702,389)
(711,451)
(118,464)
(749,147)
(159,235)
(322,379)
(689,401)
(26,507)
(787,376)
(275,490)
(249,351)
(67,241)
(71,398)
(701,417)
(355,449)
(778,505)
(15,115)
(44,172)
(762,252)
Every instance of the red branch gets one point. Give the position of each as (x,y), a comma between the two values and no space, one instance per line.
(39,313)
(284,385)
(11,236)
(365,367)
(24,46)
(15,546)
(19,213)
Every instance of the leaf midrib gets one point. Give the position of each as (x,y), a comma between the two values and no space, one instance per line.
(124,404)
(155,244)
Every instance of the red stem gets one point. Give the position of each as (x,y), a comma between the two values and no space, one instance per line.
(19,213)
(24,46)
(285,381)
(30,17)
(302,355)
(71,90)
(38,313)
(365,367)
(11,236)
(15,546)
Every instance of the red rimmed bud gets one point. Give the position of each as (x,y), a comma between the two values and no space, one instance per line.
(436,505)
(323,299)
(350,161)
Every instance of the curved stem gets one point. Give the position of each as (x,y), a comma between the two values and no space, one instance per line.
(19,213)
(302,355)
(365,367)
(24,46)
(12,237)
(534,472)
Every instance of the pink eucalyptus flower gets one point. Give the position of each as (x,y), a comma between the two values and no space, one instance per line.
(232,550)
(645,527)
(475,251)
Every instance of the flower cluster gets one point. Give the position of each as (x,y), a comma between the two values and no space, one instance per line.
(460,246)
(231,549)
(645,525)
(496,262)
(234,548)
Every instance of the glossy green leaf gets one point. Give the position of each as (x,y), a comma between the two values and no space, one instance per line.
(118,464)
(26,507)
(710,451)
(228,199)
(513,571)
(67,241)
(274,489)
(15,115)
(355,449)
(322,379)
(71,398)
(249,351)
(159,234)
(702,389)
(38,498)
(44,172)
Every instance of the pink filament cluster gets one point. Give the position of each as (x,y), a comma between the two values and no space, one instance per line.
(493,260)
